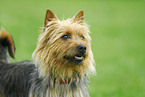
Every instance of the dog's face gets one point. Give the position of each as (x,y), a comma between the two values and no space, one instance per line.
(75,45)
(65,46)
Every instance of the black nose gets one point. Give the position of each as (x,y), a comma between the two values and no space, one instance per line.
(81,49)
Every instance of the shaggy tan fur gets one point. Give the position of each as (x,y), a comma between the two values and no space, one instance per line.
(51,49)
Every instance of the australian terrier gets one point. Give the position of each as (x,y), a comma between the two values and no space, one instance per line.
(63,60)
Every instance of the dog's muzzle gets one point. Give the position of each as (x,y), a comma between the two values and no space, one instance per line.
(79,57)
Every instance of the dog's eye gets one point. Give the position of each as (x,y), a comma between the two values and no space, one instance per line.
(65,37)
(82,37)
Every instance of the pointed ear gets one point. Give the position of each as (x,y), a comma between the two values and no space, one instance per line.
(49,16)
(79,16)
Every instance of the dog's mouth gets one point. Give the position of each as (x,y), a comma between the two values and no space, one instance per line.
(77,59)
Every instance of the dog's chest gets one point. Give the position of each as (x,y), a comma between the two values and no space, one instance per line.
(60,90)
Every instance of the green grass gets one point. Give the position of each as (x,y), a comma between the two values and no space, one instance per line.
(118,38)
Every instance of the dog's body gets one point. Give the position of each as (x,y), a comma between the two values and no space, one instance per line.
(63,61)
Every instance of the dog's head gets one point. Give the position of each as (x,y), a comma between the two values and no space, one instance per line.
(63,49)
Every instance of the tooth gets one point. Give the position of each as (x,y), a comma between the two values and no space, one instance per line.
(78,57)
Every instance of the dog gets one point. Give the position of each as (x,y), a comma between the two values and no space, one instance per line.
(63,61)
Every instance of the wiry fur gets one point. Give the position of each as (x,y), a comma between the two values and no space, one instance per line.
(53,75)
(50,50)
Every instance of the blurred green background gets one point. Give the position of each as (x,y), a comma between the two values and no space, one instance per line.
(118,38)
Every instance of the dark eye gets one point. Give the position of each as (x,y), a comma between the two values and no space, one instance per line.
(82,37)
(65,37)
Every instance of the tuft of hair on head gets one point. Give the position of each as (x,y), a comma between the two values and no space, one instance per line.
(79,17)
(7,41)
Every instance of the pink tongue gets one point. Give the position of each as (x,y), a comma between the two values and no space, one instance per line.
(79,58)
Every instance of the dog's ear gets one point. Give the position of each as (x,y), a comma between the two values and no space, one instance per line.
(49,16)
(79,16)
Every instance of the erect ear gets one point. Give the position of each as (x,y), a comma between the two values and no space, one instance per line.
(49,16)
(79,16)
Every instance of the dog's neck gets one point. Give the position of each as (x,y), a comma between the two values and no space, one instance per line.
(61,88)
